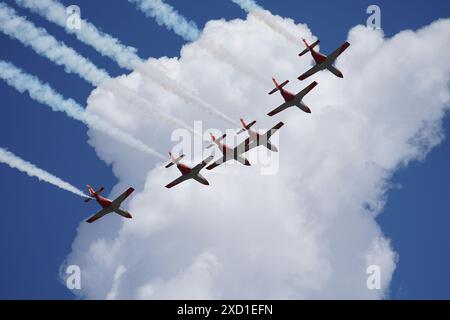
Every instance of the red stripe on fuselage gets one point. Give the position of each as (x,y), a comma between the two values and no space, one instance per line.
(286,95)
(105,203)
(318,57)
(184,169)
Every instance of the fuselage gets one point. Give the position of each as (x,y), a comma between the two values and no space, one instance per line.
(253,134)
(187,171)
(287,96)
(103,202)
(317,56)
(184,169)
(224,148)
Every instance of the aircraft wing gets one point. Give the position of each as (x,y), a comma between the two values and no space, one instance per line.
(216,163)
(202,164)
(280,108)
(98,215)
(122,197)
(299,96)
(310,72)
(178,180)
(338,51)
(274,129)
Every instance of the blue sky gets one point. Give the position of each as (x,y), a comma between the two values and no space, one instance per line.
(39,221)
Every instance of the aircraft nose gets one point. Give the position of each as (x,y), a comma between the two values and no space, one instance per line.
(308,110)
(129,215)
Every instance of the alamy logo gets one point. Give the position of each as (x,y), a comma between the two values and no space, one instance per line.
(374,279)
(73,21)
(374,20)
(73,280)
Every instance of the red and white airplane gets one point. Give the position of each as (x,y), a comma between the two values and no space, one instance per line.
(188,172)
(289,98)
(261,139)
(107,205)
(322,61)
(228,152)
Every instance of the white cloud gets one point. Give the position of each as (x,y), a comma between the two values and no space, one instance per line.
(310,230)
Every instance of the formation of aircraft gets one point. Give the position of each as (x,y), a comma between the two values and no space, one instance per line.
(107,205)
(253,140)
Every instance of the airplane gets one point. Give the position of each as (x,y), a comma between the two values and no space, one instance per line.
(322,61)
(261,139)
(107,205)
(289,98)
(228,152)
(188,172)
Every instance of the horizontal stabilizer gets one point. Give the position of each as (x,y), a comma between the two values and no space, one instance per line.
(308,47)
(278,86)
(215,140)
(245,126)
(174,161)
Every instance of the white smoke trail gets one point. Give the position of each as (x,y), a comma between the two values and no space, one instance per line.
(179,90)
(225,56)
(43,93)
(251,7)
(55,12)
(105,44)
(166,15)
(15,162)
(46,45)
(135,98)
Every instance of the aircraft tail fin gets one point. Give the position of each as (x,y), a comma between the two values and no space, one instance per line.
(92,192)
(308,47)
(173,160)
(215,140)
(245,126)
(278,86)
